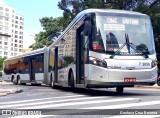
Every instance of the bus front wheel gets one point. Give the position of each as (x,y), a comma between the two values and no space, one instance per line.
(18,80)
(71,82)
(119,89)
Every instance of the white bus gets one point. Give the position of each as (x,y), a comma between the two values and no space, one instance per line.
(100,48)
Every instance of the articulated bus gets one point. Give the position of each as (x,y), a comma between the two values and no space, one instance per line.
(100,48)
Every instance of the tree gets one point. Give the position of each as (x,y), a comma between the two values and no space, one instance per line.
(52,28)
(68,59)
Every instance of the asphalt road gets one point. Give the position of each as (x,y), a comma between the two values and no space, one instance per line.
(97,101)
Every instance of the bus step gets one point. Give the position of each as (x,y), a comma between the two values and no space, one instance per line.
(33,81)
(56,84)
(80,85)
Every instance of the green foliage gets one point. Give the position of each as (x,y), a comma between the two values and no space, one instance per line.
(68,59)
(1,63)
(52,28)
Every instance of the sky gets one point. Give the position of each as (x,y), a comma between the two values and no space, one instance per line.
(32,11)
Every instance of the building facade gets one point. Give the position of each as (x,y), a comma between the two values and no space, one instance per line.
(11,31)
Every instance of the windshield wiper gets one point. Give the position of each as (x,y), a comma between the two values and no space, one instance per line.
(144,54)
(128,44)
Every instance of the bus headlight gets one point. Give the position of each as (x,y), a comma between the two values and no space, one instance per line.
(154,63)
(97,62)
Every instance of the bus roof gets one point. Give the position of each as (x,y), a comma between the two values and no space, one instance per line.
(38,51)
(109,11)
(81,14)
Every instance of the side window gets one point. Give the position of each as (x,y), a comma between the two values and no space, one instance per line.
(67,48)
(96,44)
(51,63)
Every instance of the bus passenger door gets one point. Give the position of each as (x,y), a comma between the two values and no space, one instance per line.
(32,70)
(56,65)
(81,55)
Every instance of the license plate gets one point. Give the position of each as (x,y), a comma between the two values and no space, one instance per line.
(129,79)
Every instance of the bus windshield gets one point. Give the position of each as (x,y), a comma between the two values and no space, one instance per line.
(122,34)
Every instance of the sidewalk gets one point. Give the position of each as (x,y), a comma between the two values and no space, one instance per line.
(154,86)
(5,90)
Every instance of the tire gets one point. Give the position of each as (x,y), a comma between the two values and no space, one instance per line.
(23,83)
(71,81)
(52,82)
(14,80)
(158,83)
(119,89)
(18,80)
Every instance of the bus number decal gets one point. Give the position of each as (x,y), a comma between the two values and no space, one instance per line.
(144,64)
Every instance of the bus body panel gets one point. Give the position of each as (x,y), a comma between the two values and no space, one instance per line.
(116,75)
(97,73)
(141,75)
(24,77)
(46,77)
(121,67)
(6,77)
(39,77)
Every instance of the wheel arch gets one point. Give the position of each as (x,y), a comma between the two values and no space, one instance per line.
(12,77)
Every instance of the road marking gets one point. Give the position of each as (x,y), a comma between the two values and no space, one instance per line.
(78,103)
(120,106)
(23,101)
(55,101)
(143,89)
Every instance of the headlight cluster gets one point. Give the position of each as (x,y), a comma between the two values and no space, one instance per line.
(154,63)
(97,62)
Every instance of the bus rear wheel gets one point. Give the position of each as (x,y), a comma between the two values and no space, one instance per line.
(14,80)
(52,82)
(18,80)
(119,89)
(71,82)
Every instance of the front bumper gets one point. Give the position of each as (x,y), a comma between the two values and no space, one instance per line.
(96,84)
(104,77)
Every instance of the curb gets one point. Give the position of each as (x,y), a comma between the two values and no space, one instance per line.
(154,86)
(17,90)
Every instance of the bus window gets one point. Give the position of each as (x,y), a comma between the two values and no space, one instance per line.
(97,44)
(111,42)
